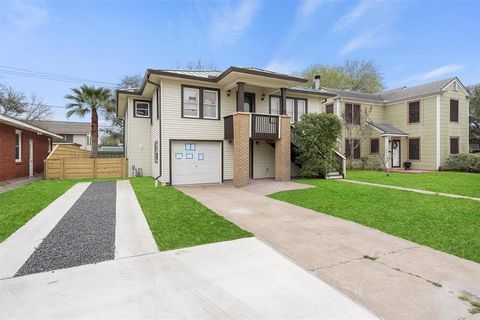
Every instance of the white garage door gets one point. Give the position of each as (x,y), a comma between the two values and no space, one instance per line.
(196,162)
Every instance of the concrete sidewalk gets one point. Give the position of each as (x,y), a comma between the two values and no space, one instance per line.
(395,278)
(241,279)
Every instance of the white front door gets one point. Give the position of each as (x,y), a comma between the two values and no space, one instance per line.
(30,158)
(195,162)
(395,153)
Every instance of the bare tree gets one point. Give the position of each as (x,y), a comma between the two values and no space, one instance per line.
(14,104)
(130,81)
(200,64)
(356,128)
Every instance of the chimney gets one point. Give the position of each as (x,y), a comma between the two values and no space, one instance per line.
(317,81)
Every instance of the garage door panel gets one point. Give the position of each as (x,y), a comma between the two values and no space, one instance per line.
(201,162)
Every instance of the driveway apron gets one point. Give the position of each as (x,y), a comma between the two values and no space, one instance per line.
(85,234)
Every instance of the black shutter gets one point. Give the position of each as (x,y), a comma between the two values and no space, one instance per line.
(414,149)
(374,146)
(347,149)
(414,112)
(356,150)
(454,110)
(348,113)
(454,148)
(329,109)
(356,113)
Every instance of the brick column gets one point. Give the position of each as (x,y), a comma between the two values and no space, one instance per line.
(282,151)
(241,149)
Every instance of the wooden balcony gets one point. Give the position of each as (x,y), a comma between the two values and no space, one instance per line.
(262,127)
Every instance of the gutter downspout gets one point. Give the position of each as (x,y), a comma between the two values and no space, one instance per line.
(159,132)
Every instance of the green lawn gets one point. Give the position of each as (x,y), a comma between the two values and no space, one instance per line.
(447,224)
(20,205)
(465,184)
(177,221)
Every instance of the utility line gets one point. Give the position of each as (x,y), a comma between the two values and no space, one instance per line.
(49,76)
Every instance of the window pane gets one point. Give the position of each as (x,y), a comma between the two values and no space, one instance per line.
(454,110)
(356,114)
(414,149)
(142,109)
(274,105)
(348,113)
(330,109)
(454,148)
(18,142)
(210,104)
(356,150)
(414,112)
(301,108)
(290,109)
(348,152)
(191,100)
(374,146)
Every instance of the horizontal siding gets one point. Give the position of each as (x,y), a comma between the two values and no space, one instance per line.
(138,142)
(263,160)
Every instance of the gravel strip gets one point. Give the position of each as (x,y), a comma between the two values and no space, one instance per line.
(85,234)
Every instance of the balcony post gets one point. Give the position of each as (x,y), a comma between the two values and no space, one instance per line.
(283,102)
(282,151)
(240,96)
(241,149)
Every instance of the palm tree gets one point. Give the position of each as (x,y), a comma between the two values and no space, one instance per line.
(86,100)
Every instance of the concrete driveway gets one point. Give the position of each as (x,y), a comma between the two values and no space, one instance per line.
(392,277)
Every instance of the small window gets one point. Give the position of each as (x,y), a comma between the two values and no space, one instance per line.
(274,105)
(414,112)
(355,144)
(301,109)
(210,104)
(374,146)
(68,138)
(352,113)
(49,145)
(329,108)
(454,86)
(18,146)
(155,151)
(142,109)
(414,149)
(453,110)
(356,114)
(454,146)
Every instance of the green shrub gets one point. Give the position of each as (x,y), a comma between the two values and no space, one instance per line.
(365,163)
(354,164)
(468,162)
(314,137)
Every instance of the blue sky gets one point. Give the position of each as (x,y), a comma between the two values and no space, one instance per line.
(412,41)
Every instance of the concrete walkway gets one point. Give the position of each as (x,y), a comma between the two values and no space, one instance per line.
(394,278)
(17,183)
(241,279)
(450,195)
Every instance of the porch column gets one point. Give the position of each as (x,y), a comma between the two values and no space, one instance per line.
(240,96)
(241,149)
(283,103)
(386,156)
(282,151)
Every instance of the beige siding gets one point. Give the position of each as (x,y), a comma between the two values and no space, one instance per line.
(154,131)
(453,129)
(397,115)
(138,142)
(263,160)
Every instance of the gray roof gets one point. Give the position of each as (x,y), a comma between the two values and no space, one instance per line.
(322,91)
(386,128)
(64,127)
(195,73)
(402,93)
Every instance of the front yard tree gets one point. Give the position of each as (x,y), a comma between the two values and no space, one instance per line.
(315,135)
(356,128)
(14,104)
(88,99)
(475,115)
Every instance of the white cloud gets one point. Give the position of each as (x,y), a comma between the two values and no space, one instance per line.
(441,71)
(363,8)
(308,8)
(287,66)
(232,21)
(361,41)
(26,14)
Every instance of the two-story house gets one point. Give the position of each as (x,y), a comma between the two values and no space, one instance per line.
(422,125)
(187,127)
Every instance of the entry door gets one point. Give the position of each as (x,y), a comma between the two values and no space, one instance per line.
(195,162)
(30,158)
(249,102)
(395,153)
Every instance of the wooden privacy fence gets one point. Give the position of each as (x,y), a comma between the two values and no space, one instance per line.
(68,151)
(86,168)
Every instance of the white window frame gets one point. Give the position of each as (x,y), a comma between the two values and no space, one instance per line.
(216,105)
(49,145)
(19,133)
(135,103)
(198,102)
(299,117)
(279,104)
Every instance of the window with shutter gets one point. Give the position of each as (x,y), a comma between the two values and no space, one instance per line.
(453,110)
(414,112)
(374,146)
(356,114)
(329,108)
(348,113)
(355,144)
(356,150)
(454,146)
(414,149)
(347,149)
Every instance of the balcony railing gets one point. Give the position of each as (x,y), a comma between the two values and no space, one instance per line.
(262,127)
(265,127)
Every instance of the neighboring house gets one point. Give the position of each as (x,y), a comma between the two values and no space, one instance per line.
(71,132)
(422,124)
(186,127)
(23,148)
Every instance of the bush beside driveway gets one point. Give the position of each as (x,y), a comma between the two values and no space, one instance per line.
(446,224)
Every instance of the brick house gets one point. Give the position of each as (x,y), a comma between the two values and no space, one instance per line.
(23,148)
